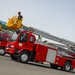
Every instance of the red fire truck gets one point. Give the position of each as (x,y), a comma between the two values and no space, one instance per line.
(27,48)
(3,42)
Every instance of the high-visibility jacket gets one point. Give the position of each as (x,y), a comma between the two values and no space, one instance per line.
(14,23)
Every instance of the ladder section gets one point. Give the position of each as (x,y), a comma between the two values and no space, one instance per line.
(51,37)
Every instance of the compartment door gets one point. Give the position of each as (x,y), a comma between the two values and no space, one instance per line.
(51,55)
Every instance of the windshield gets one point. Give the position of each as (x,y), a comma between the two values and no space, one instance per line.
(14,36)
(23,37)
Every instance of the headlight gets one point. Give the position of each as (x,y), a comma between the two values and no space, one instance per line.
(12,46)
(7,48)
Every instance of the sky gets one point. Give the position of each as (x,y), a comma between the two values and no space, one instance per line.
(56,17)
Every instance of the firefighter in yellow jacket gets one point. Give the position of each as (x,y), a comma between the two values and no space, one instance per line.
(15,22)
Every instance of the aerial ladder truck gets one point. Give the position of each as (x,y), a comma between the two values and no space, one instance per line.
(27,48)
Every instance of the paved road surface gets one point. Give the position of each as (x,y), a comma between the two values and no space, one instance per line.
(10,67)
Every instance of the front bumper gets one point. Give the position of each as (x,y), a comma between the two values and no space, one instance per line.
(10,51)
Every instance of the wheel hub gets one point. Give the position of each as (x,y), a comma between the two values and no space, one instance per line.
(24,57)
(67,67)
(2,51)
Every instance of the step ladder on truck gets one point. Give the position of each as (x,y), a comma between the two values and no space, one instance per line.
(27,48)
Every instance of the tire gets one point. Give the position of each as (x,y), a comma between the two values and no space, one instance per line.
(2,51)
(53,66)
(24,57)
(13,57)
(67,66)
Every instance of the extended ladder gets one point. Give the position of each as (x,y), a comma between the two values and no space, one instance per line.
(44,34)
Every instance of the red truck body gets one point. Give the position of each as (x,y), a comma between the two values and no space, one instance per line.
(3,42)
(28,50)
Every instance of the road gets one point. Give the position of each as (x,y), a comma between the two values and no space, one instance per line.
(10,67)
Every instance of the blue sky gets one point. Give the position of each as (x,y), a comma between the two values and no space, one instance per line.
(54,16)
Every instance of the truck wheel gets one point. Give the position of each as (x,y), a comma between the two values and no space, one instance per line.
(24,57)
(2,51)
(53,66)
(13,57)
(67,66)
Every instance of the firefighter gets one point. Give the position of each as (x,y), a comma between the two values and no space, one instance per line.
(20,16)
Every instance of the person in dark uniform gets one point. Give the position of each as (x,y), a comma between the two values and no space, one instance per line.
(20,16)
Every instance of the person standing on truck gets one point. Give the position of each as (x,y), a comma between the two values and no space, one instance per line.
(20,17)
